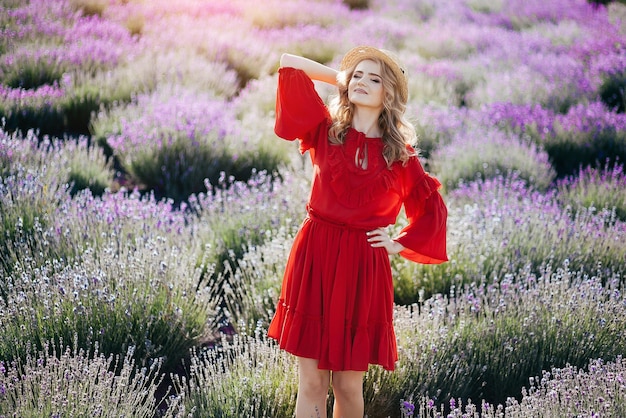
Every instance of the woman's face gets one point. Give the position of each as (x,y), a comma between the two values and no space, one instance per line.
(366,86)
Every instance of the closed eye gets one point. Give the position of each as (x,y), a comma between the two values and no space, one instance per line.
(359,74)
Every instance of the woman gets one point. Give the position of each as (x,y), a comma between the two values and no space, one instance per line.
(335,311)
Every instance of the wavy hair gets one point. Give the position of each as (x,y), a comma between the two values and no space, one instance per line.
(397,130)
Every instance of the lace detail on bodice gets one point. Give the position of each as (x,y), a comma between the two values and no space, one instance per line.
(359,172)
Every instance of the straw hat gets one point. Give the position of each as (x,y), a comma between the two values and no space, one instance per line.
(360,53)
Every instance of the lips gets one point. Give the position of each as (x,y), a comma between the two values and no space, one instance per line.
(360,91)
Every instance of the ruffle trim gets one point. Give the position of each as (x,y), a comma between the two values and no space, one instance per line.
(302,336)
(421,191)
(353,197)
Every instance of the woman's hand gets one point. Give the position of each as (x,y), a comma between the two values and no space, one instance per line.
(379,238)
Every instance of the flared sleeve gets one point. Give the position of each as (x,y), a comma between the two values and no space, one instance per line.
(300,111)
(424,238)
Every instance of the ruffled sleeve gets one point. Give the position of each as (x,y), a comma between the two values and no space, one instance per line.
(424,238)
(299,109)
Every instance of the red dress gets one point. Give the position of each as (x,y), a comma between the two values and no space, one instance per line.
(336,301)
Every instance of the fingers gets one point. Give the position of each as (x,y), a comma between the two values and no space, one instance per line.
(378,237)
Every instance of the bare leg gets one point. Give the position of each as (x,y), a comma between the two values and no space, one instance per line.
(348,390)
(312,389)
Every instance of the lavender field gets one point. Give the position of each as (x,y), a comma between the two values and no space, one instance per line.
(147,208)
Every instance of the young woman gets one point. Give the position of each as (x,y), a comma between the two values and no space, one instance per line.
(335,311)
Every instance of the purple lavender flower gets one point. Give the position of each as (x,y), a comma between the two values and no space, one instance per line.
(407,408)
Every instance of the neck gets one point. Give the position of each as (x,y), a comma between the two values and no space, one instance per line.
(366,121)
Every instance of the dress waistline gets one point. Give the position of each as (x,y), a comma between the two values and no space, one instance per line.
(316,217)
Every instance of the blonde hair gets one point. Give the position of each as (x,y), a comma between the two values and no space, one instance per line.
(397,130)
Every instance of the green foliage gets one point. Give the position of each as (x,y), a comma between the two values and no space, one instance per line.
(88,95)
(79,106)
(612,91)
(89,168)
(178,167)
(29,71)
(569,150)
(69,112)
(43,114)
(181,167)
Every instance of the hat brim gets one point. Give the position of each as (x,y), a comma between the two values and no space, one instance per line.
(360,53)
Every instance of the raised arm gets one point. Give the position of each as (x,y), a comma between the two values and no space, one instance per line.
(313,69)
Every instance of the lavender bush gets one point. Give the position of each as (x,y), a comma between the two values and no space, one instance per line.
(172,147)
(486,342)
(501,225)
(118,297)
(587,135)
(253,281)
(68,382)
(237,251)
(108,270)
(597,390)
(37,176)
(27,70)
(28,201)
(75,45)
(249,377)
(21,108)
(596,188)
(482,154)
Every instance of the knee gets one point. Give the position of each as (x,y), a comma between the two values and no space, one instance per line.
(314,385)
(348,386)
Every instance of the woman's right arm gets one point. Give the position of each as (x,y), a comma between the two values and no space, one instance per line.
(313,69)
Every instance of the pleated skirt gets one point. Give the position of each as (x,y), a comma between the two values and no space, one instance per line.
(336,300)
